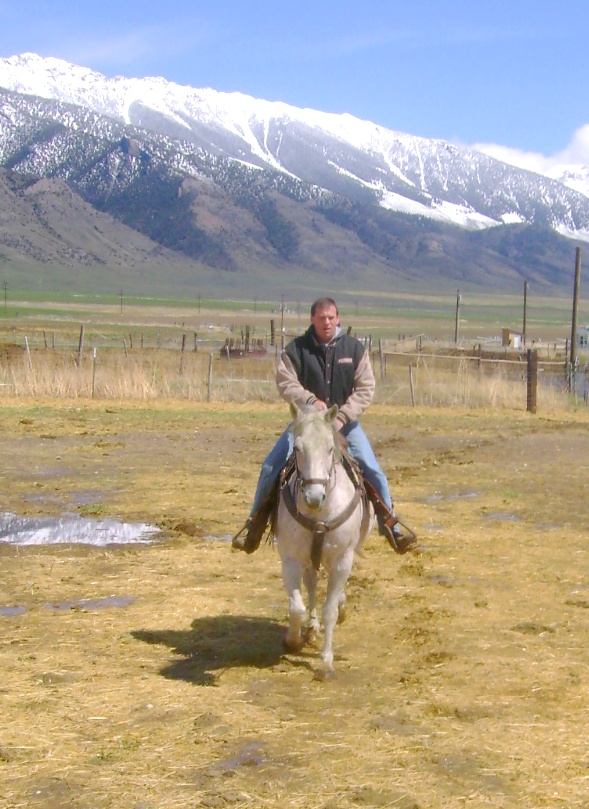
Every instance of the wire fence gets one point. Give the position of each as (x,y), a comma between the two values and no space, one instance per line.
(231,365)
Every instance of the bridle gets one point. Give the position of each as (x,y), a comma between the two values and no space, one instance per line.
(318,527)
(302,482)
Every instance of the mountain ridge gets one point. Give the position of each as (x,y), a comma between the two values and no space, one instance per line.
(279,200)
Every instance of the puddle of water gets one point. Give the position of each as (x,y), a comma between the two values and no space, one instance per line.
(451,580)
(219,537)
(503,515)
(442,579)
(88,497)
(438,496)
(81,604)
(10,611)
(92,603)
(71,528)
(251,754)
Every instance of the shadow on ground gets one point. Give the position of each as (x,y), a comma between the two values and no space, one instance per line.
(216,643)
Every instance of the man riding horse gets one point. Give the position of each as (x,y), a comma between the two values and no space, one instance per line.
(323,367)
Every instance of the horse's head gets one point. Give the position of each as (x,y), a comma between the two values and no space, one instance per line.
(316,448)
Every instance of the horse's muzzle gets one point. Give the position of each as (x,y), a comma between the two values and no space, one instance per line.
(314,496)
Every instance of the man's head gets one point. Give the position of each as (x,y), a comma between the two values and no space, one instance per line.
(324,318)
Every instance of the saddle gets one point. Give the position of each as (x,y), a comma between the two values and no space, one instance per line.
(265,517)
(350,465)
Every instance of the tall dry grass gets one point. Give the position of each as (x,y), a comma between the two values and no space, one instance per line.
(443,381)
(114,374)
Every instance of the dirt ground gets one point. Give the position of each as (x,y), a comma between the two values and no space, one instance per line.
(153,677)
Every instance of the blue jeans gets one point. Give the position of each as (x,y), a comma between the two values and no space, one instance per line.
(358,447)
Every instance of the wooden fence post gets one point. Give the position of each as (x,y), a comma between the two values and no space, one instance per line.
(28,353)
(210,377)
(382,361)
(411,384)
(182,354)
(93,372)
(80,346)
(532,377)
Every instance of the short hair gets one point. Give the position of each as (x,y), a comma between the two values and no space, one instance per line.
(323,303)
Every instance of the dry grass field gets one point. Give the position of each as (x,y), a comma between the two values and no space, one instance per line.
(152,676)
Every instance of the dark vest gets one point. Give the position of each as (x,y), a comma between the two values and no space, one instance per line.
(326,371)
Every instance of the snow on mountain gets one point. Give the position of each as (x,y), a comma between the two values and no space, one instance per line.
(573,176)
(340,153)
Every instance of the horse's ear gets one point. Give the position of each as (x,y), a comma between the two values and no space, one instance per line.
(331,413)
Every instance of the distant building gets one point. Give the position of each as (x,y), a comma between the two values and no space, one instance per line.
(511,339)
(583,337)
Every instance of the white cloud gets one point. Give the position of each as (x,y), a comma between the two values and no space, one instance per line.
(578,149)
(576,153)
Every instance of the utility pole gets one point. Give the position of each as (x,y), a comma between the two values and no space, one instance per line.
(573,354)
(525,312)
(457,322)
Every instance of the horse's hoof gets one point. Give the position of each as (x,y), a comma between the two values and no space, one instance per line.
(324,675)
(292,646)
(311,638)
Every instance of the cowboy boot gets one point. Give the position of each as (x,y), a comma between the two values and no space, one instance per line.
(255,526)
(389,527)
(388,524)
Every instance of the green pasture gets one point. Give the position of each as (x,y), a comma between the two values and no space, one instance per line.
(391,316)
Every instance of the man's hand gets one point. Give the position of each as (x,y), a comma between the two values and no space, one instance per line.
(319,405)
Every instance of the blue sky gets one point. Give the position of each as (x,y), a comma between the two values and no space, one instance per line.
(509,73)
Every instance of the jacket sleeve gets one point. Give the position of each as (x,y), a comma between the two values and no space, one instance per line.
(363,393)
(288,383)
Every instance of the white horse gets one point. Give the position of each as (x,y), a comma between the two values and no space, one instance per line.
(322,519)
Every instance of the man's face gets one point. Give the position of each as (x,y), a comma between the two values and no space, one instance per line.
(325,321)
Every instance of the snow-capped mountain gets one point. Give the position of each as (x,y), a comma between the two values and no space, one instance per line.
(573,176)
(339,153)
(168,186)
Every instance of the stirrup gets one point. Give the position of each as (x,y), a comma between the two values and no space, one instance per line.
(237,540)
(400,543)
(255,526)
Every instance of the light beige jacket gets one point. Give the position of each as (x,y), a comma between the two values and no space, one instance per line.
(291,389)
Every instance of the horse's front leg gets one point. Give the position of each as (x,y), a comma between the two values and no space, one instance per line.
(291,577)
(336,584)
(310,580)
